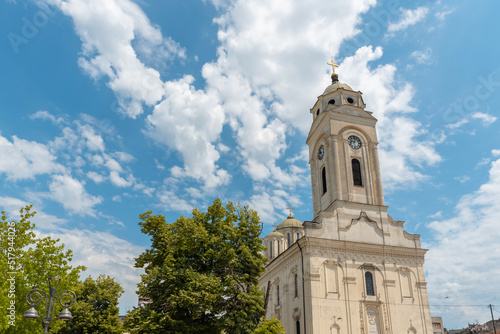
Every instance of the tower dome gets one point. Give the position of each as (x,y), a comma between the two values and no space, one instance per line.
(290,221)
(336,85)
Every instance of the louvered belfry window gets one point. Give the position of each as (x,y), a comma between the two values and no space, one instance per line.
(323,179)
(356,172)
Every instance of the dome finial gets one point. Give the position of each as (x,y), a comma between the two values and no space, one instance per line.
(335,76)
(290,208)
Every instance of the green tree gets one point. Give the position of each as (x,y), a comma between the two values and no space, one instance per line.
(201,273)
(96,310)
(270,326)
(27,262)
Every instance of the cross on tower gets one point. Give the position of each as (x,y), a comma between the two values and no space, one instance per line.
(274,226)
(333,66)
(290,208)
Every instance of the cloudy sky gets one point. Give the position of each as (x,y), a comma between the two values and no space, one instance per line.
(112,108)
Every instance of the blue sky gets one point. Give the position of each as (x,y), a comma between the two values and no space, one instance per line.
(109,109)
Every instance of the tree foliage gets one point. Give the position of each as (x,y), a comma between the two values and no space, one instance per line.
(27,262)
(96,310)
(270,326)
(201,273)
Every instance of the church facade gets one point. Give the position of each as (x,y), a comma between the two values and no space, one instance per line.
(352,269)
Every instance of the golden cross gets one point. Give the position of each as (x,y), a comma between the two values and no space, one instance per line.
(274,225)
(333,65)
(290,208)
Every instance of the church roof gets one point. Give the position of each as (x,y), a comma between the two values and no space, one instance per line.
(289,222)
(336,85)
(275,234)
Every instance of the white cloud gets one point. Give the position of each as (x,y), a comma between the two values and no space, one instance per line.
(71,194)
(123,156)
(457,124)
(190,121)
(107,30)
(93,140)
(271,205)
(485,118)
(96,177)
(402,150)
(483,162)
(436,215)
(460,260)
(260,84)
(422,56)
(409,17)
(25,159)
(43,221)
(159,165)
(169,200)
(104,253)
(118,181)
(45,115)
(441,15)
(495,153)
(462,179)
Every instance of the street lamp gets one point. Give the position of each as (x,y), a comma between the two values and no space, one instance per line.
(36,296)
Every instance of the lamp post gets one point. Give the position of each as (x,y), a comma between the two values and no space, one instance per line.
(36,296)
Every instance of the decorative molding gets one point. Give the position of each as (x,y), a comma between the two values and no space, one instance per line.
(296,313)
(367,219)
(410,236)
(361,319)
(313,225)
(421,284)
(312,277)
(349,280)
(389,283)
(386,320)
(398,223)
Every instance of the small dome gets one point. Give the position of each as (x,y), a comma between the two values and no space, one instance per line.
(336,85)
(289,222)
(275,234)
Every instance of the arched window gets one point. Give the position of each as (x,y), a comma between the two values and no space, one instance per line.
(297,326)
(288,237)
(323,179)
(271,254)
(298,236)
(370,291)
(296,285)
(356,172)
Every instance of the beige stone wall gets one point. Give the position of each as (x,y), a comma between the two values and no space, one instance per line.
(335,289)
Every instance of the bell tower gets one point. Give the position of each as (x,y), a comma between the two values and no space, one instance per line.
(343,154)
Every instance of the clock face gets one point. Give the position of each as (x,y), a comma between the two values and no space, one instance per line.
(354,142)
(321,152)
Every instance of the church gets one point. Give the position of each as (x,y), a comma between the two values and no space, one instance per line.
(353,269)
